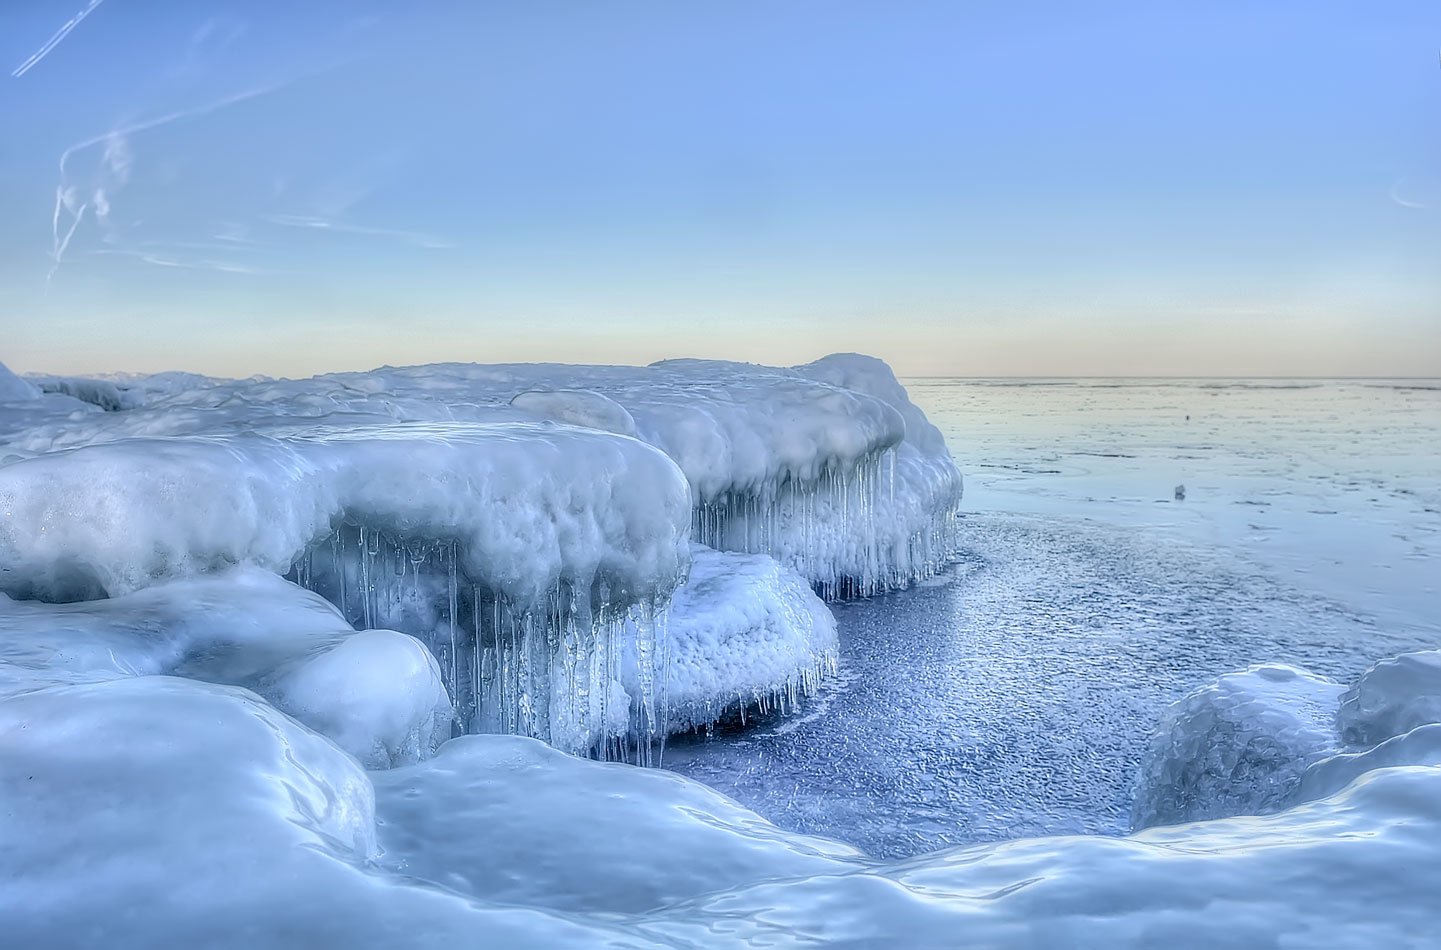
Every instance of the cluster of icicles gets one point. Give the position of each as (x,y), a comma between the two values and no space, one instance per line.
(586,670)
(839,530)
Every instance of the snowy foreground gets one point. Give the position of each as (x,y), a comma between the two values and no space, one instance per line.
(300,663)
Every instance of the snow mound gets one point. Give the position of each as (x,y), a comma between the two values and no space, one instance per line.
(1236,747)
(1393,697)
(1320,875)
(161,812)
(578,407)
(617,838)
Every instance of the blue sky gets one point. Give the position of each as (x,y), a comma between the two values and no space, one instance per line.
(978,188)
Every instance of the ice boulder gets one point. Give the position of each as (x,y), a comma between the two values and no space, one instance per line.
(377,694)
(1236,747)
(1391,698)
(745,632)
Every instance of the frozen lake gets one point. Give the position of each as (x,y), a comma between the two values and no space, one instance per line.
(1013,695)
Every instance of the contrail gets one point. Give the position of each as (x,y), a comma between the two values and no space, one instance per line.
(60,34)
(60,244)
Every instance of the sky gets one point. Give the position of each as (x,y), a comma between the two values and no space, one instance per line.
(1010,188)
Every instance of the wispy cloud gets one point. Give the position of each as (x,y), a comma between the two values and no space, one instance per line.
(1396,196)
(116,162)
(308,222)
(54,41)
(167,258)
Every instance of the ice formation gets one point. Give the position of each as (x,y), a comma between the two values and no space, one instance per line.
(527,524)
(744,632)
(827,466)
(1236,747)
(1392,697)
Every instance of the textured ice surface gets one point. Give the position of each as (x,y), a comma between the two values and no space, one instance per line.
(1236,747)
(1392,697)
(1015,694)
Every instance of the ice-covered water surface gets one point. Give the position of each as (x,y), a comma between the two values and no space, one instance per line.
(1017,694)
(1332,486)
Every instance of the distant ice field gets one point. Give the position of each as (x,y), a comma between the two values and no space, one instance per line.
(1016,694)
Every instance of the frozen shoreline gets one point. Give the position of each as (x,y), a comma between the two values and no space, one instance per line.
(148,752)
